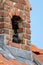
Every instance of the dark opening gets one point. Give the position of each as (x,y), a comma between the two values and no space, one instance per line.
(37,53)
(15,20)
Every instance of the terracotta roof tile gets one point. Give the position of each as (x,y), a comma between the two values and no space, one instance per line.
(41,51)
(15,62)
(4,61)
(35,49)
(23,63)
(38,57)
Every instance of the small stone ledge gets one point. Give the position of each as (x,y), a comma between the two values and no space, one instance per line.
(20,53)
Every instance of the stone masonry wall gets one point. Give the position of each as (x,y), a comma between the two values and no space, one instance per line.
(9,8)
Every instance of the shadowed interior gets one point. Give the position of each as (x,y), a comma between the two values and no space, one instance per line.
(15,26)
(37,53)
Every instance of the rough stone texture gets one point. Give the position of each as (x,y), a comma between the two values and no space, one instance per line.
(1,40)
(19,8)
(9,8)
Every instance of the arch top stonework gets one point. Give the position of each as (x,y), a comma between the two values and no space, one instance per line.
(18,9)
(17,12)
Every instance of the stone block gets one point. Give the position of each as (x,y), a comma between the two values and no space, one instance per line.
(20,53)
(6,54)
(2,40)
(27,25)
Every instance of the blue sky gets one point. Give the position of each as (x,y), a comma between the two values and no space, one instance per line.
(37,23)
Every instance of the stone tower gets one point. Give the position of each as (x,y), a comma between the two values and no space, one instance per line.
(12,11)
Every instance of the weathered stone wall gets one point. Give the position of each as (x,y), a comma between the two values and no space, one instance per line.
(8,9)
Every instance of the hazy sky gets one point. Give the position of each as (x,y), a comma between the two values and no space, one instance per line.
(37,22)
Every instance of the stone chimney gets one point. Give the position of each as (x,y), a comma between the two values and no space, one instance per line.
(9,9)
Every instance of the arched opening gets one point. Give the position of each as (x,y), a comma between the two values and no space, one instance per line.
(17,27)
